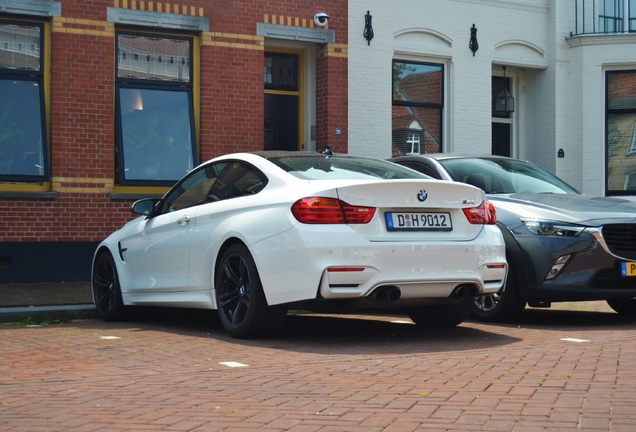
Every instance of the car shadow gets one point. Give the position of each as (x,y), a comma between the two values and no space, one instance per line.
(569,319)
(369,334)
(329,334)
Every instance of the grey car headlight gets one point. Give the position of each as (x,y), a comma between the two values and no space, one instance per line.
(552,228)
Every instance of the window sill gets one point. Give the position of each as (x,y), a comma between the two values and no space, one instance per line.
(30,195)
(138,192)
(132,196)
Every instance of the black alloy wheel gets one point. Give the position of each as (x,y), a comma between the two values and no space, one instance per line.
(240,299)
(106,288)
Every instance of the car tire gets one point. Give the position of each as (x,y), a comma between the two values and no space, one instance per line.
(240,299)
(625,307)
(502,306)
(439,316)
(106,288)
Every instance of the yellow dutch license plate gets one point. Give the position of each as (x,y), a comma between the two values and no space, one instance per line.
(628,268)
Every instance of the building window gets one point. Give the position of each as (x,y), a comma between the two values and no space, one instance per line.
(418,104)
(156,142)
(283,94)
(621,132)
(632,146)
(23,130)
(604,16)
(612,17)
(414,141)
(501,120)
(630,181)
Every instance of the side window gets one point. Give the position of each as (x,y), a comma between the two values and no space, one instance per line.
(156,141)
(193,190)
(23,129)
(215,182)
(238,179)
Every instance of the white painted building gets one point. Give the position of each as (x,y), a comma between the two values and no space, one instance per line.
(570,66)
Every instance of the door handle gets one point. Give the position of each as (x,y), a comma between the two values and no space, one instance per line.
(184,220)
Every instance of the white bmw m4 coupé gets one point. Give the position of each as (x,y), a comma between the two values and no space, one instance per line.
(253,235)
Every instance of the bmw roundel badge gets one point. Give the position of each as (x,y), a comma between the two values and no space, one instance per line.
(422,195)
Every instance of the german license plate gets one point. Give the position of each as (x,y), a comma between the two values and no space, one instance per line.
(418,221)
(628,268)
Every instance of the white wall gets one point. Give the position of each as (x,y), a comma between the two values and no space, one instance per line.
(593,57)
(509,33)
(558,81)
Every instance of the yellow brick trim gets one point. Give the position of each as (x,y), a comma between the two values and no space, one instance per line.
(338,50)
(291,21)
(82,26)
(141,190)
(152,6)
(26,187)
(235,36)
(82,185)
(232,40)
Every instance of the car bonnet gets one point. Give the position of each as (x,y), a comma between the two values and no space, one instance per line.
(575,208)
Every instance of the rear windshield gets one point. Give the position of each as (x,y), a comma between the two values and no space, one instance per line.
(318,167)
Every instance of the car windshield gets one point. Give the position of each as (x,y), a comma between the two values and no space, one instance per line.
(505,176)
(318,167)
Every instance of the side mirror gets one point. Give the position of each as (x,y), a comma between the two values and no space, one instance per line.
(144,206)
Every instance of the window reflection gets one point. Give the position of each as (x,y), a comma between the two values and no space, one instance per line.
(417,107)
(280,71)
(19,47)
(621,132)
(149,58)
(23,147)
(157,141)
(21,151)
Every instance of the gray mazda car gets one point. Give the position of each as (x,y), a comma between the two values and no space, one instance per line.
(561,245)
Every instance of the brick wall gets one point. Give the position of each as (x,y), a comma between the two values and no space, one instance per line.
(80,206)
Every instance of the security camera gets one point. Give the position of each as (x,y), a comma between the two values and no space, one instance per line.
(321,19)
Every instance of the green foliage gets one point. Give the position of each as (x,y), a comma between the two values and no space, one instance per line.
(28,321)
(399,71)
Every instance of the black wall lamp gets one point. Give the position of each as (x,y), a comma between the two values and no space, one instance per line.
(504,102)
(368,28)
(473,44)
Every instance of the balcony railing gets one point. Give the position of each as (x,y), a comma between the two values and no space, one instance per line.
(604,17)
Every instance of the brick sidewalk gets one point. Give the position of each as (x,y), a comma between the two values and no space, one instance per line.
(178,371)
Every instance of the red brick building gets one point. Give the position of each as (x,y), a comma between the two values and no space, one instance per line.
(106,101)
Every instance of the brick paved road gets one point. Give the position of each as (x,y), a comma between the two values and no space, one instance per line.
(553,371)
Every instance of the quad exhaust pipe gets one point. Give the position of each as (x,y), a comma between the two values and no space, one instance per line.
(386,294)
(389,294)
(462,291)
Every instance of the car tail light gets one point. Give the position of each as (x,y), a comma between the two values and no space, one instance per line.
(485,214)
(317,210)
